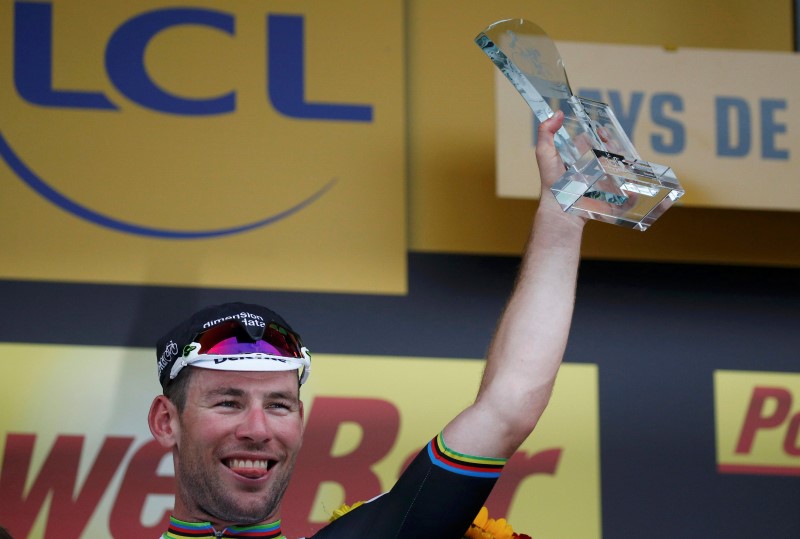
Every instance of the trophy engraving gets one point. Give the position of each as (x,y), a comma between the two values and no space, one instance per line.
(606,179)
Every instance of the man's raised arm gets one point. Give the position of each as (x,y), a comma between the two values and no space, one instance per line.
(530,340)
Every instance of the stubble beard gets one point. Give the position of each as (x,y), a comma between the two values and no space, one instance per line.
(203,490)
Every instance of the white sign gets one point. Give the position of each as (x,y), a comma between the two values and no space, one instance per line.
(726,122)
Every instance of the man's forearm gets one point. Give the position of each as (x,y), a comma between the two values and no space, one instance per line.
(529,344)
(530,340)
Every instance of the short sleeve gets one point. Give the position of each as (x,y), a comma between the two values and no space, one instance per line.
(436,497)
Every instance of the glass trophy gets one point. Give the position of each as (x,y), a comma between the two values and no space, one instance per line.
(605,177)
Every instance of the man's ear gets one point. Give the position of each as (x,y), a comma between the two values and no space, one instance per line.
(163,422)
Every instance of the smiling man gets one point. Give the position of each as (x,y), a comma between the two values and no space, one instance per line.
(232,416)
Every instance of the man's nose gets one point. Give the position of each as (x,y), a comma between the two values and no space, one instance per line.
(255,425)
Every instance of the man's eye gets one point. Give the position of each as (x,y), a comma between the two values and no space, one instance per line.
(279,406)
(228,404)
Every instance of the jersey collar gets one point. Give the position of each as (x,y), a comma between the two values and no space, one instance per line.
(179,529)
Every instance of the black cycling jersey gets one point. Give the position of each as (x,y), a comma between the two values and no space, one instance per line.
(437,497)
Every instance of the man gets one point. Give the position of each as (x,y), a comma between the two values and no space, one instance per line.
(232,415)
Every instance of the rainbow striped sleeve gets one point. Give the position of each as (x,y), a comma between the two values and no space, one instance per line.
(452,461)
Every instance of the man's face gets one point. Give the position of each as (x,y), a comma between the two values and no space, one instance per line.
(239,436)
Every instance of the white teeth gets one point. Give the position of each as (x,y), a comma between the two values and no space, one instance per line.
(240,463)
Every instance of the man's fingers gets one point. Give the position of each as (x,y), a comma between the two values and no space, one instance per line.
(550,165)
(552,124)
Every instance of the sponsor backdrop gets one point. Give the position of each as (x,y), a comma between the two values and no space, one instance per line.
(154,137)
(758,422)
(679,363)
(108,477)
(452,132)
(159,156)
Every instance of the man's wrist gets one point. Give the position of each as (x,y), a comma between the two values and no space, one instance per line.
(550,212)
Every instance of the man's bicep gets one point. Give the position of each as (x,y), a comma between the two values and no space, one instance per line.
(479,430)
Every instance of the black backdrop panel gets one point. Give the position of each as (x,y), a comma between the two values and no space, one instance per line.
(656,331)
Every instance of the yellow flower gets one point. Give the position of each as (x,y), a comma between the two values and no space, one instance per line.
(483,516)
(343,510)
(484,527)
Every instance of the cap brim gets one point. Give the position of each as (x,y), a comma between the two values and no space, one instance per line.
(249,365)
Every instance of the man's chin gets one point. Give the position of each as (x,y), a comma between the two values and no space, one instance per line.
(240,511)
(243,504)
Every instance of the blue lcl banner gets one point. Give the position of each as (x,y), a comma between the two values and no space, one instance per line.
(155,132)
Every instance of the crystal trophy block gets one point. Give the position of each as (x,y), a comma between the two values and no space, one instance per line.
(605,177)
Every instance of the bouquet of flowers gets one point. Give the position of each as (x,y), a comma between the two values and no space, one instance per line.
(482,527)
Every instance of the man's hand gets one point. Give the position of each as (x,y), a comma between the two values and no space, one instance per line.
(551,168)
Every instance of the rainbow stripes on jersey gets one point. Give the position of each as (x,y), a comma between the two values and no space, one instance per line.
(179,529)
(452,461)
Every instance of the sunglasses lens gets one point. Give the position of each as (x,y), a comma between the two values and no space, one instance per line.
(232,345)
(284,340)
(230,338)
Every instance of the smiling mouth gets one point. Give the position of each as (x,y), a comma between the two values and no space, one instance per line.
(252,469)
